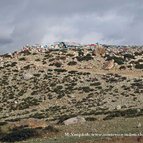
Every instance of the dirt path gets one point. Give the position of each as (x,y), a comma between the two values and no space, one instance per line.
(127,73)
(94,70)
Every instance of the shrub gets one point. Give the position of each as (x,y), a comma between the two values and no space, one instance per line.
(37,60)
(72,63)
(72,72)
(50,70)
(60,70)
(95,84)
(85,58)
(70,55)
(13,64)
(60,95)
(59,87)
(38,115)
(35,53)
(125,113)
(139,66)
(51,60)
(118,60)
(15,70)
(11,96)
(122,67)
(22,59)
(37,74)
(63,50)
(90,118)
(62,58)
(86,89)
(51,128)
(29,101)
(50,96)
(138,53)
(34,92)
(57,64)
(129,56)
(44,62)
(21,92)
(26,67)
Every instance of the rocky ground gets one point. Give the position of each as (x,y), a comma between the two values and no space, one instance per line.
(42,89)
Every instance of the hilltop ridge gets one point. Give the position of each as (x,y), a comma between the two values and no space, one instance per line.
(96,82)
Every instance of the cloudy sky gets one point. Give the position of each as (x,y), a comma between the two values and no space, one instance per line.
(84,21)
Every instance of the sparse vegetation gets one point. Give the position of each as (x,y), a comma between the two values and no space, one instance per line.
(22,59)
(57,85)
(72,63)
(139,66)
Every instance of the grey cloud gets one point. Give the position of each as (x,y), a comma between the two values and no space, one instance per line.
(85,21)
(4,41)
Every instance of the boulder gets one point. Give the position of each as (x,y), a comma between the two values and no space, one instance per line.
(108,65)
(99,51)
(118,107)
(139,125)
(27,76)
(1,59)
(1,64)
(138,110)
(74,120)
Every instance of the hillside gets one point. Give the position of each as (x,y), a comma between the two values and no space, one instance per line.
(98,83)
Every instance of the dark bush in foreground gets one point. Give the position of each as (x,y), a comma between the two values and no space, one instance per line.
(23,133)
(19,135)
(51,129)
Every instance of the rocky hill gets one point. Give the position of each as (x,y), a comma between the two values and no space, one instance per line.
(94,82)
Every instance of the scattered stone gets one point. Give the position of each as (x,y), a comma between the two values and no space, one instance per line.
(100,50)
(118,107)
(138,110)
(139,125)
(1,59)
(1,64)
(108,65)
(27,76)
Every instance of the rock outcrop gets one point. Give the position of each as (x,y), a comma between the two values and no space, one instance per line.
(74,120)
(108,65)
